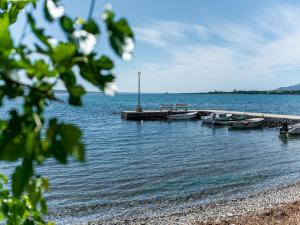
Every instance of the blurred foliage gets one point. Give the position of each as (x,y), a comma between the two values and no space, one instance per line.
(42,64)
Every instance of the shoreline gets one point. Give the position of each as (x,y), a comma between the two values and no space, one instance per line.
(279,205)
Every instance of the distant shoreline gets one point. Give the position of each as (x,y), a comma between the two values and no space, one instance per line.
(274,92)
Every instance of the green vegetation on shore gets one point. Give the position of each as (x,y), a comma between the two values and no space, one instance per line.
(272,92)
(253,92)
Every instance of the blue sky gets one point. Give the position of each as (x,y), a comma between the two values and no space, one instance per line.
(203,45)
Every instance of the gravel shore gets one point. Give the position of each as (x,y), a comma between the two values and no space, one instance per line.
(275,206)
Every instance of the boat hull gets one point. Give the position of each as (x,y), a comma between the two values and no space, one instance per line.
(293,130)
(220,122)
(183,116)
(207,119)
(247,124)
(217,119)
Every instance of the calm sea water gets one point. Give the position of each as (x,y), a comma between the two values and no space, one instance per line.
(138,169)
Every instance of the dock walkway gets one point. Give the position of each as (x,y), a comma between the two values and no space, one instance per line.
(162,115)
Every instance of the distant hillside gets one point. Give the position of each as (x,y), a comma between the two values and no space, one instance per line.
(290,88)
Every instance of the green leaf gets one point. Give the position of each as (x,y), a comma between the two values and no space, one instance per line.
(11,140)
(46,12)
(64,140)
(68,78)
(105,63)
(44,208)
(66,24)
(76,92)
(3,178)
(29,221)
(33,2)
(11,150)
(71,140)
(55,142)
(39,32)
(91,27)
(5,38)
(3,4)
(3,124)
(21,177)
(2,217)
(118,32)
(15,9)
(63,52)
(40,69)
(92,72)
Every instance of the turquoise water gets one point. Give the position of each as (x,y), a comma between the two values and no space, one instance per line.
(136,169)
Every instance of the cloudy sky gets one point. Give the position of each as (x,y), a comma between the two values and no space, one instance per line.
(204,45)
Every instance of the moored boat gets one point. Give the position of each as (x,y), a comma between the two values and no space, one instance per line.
(236,117)
(208,119)
(222,119)
(217,118)
(247,124)
(290,130)
(183,116)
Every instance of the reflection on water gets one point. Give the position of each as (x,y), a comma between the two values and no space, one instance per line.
(289,138)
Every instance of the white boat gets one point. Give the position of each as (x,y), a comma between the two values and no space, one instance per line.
(217,118)
(247,124)
(292,130)
(183,116)
(207,119)
(222,119)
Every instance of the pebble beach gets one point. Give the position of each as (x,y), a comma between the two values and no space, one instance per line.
(274,206)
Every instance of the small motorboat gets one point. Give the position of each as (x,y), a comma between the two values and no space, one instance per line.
(290,130)
(208,119)
(183,116)
(247,124)
(222,119)
(217,118)
(239,117)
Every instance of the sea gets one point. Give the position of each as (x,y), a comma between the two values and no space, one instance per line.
(135,169)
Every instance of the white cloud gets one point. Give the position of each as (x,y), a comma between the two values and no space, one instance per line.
(149,35)
(162,33)
(246,53)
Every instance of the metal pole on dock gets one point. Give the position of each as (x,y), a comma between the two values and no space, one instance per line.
(139,109)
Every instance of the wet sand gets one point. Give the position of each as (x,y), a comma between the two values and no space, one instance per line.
(275,206)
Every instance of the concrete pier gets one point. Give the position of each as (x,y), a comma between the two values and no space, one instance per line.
(271,119)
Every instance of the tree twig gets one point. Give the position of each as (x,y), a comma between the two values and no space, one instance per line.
(35,89)
(91,9)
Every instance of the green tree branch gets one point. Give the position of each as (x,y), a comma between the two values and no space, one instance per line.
(59,60)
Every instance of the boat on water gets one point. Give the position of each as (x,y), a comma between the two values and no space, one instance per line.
(217,118)
(222,119)
(290,130)
(182,116)
(247,123)
(208,119)
(236,117)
